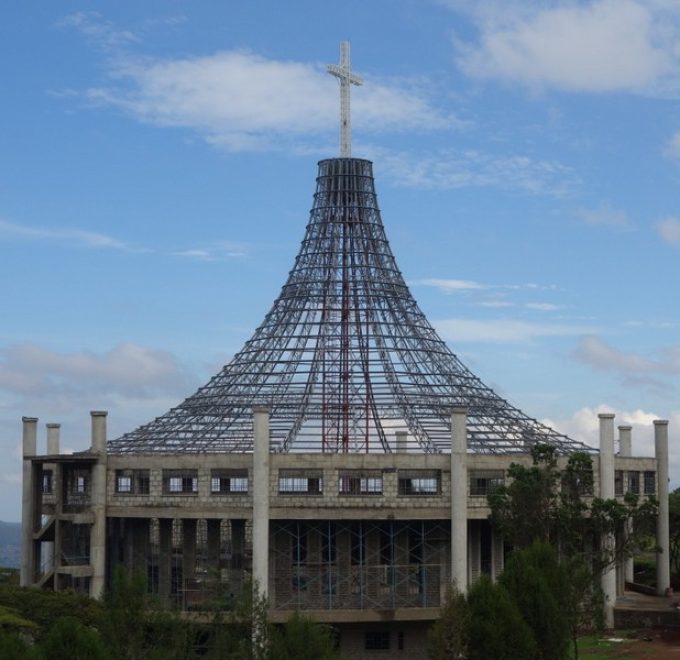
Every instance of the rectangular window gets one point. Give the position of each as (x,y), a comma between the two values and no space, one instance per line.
(82,484)
(360,482)
(180,482)
(300,482)
(618,482)
(634,482)
(483,482)
(419,482)
(132,482)
(650,483)
(124,484)
(377,641)
(47,482)
(229,481)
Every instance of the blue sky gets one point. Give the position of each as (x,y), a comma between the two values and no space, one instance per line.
(158,164)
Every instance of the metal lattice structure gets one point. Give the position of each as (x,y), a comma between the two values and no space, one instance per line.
(345,359)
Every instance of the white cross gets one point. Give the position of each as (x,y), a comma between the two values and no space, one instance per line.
(344,74)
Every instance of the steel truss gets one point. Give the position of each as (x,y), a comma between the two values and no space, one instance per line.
(345,358)
(359,564)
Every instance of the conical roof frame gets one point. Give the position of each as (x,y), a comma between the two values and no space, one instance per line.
(344,359)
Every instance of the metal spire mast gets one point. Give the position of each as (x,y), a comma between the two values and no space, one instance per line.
(345,359)
(343,72)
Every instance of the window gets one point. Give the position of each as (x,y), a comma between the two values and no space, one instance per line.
(634,482)
(377,641)
(618,482)
(81,483)
(419,482)
(180,482)
(483,482)
(649,483)
(132,482)
(46,485)
(300,482)
(360,482)
(229,481)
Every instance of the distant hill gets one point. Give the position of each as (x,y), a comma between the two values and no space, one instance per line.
(10,544)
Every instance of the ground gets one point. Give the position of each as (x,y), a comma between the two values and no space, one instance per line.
(657,644)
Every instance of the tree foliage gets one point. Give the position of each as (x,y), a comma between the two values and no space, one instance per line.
(448,636)
(496,629)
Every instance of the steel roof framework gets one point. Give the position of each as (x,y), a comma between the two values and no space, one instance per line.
(345,358)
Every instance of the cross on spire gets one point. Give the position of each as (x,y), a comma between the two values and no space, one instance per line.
(343,73)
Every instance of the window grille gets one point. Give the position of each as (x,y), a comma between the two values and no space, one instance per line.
(419,482)
(300,482)
(483,482)
(360,482)
(377,641)
(650,483)
(618,482)
(132,482)
(634,482)
(180,482)
(47,482)
(229,481)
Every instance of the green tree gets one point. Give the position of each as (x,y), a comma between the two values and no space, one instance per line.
(674,524)
(538,584)
(69,639)
(448,636)
(302,638)
(496,630)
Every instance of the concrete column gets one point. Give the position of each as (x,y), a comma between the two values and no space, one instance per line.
(402,438)
(164,559)
(626,450)
(98,505)
(28,505)
(459,488)
(261,499)
(608,578)
(663,568)
(53,439)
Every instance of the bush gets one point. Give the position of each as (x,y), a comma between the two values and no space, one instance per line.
(496,630)
(68,639)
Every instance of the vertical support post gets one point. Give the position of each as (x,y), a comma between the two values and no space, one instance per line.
(164,559)
(626,450)
(98,503)
(261,500)
(663,569)
(28,505)
(608,578)
(459,480)
(402,438)
(53,439)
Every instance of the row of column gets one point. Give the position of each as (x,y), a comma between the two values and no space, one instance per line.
(31,515)
(607,491)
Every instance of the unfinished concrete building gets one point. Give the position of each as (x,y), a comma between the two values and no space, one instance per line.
(342,458)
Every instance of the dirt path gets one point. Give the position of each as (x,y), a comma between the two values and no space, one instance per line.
(643,644)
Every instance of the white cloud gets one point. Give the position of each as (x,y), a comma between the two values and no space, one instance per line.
(71,237)
(672,147)
(606,216)
(503,330)
(543,307)
(594,46)
(450,169)
(598,354)
(583,425)
(34,374)
(240,100)
(102,33)
(669,230)
(450,286)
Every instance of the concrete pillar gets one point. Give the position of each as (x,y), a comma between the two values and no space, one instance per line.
(98,505)
(28,505)
(459,488)
(53,439)
(402,439)
(626,450)
(261,500)
(608,578)
(164,559)
(663,568)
